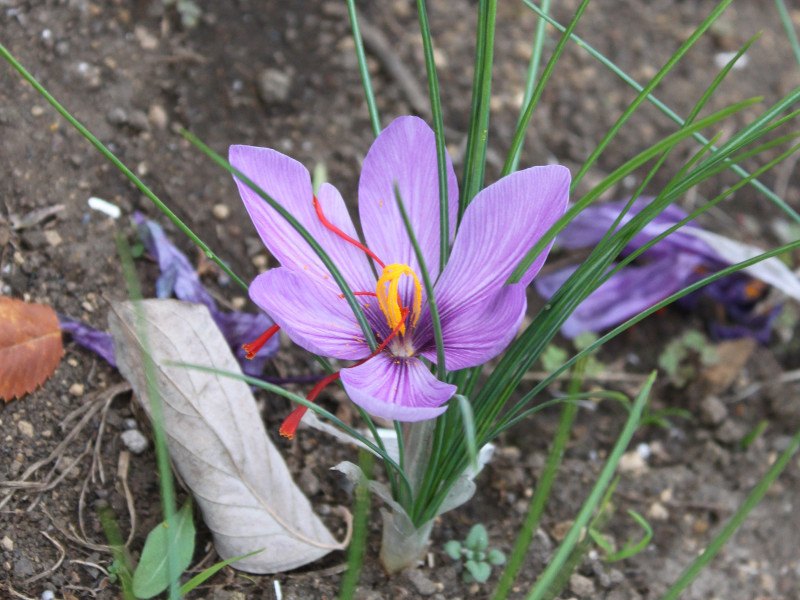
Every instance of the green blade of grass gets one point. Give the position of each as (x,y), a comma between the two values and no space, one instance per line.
(587,510)
(366,81)
(789,27)
(477,137)
(438,131)
(525,118)
(119,165)
(788,101)
(730,528)
(533,70)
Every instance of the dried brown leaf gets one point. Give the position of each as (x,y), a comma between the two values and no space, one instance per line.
(30,346)
(216,437)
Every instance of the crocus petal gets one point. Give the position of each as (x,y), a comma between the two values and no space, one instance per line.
(499,227)
(625,294)
(404,153)
(310,312)
(288,182)
(178,276)
(480,335)
(400,389)
(99,342)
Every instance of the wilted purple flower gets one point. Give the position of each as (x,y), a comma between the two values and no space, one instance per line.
(479,314)
(178,277)
(681,258)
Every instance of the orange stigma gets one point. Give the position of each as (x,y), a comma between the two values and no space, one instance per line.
(253,347)
(290,424)
(343,235)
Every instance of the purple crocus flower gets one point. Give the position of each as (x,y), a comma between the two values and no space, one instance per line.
(479,314)
(680,259)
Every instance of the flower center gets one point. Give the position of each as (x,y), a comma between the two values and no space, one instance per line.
(388,293)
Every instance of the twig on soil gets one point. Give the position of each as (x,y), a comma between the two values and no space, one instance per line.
(57,453)
(43,574)
(16,594)
(91,565)
(675,503)
(72,535)
(753,388)
(49,485)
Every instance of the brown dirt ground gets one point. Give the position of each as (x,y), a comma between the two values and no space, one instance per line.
(132,75)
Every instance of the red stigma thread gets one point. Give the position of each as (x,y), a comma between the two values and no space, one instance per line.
(289,426)
(343,235)
(253,347)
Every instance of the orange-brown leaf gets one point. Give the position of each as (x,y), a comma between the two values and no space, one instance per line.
(30,346)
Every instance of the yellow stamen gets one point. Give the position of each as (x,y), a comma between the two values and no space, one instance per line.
(389,299)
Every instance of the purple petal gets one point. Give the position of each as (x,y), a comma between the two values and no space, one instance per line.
(591,224)
(96,341)
(289,183)
(310,312)
(400,389)
(178,276)
(499,227)
(405,153)
(625,294)
(480,335)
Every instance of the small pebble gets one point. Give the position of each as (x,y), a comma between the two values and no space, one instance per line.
(424,585)
(117,116)
(273,86)
(158,116)
(7,543)
(53,238)
(76,389)
(37,111)
(26,428)
(581,586)
(221,211)
(48,595)
(712,411)
(632,462)
(139,121)
(130,423)
(657,512)
(134,440)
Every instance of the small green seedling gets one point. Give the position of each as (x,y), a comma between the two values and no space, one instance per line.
(477,556)
(679,358)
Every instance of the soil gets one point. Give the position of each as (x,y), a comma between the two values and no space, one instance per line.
(133,75)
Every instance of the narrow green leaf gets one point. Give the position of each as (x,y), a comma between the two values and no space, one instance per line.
(119,165)
(204,575)
(469,428)
(438,131)
(366,81)
(153,576)
(630,548)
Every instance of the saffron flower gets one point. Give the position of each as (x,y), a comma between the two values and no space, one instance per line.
(479,313)
(680,259)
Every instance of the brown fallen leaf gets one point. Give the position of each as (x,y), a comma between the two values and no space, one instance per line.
(30,346)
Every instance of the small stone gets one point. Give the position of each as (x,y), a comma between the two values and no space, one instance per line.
(658,512)
(134,440)
(424,586)
(158,116)
(37,111)
(632,462)
(76,389)
(581,586)
(146,39)
(117,116)
(238,302)
(712,411)
(273,86)
(139,121)
(560,530)
(221,211)
(48,595)
(26,428)
(53,237)
(700,526)
(7,543)
(23,568)
(731,432)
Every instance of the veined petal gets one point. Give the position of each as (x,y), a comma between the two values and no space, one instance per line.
(624,295)
(477,336)
(405,153)
(289,184)
(401,389)
(310,312)
(499,227)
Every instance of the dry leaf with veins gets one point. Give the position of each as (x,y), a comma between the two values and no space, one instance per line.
(30,346)
(216,437)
